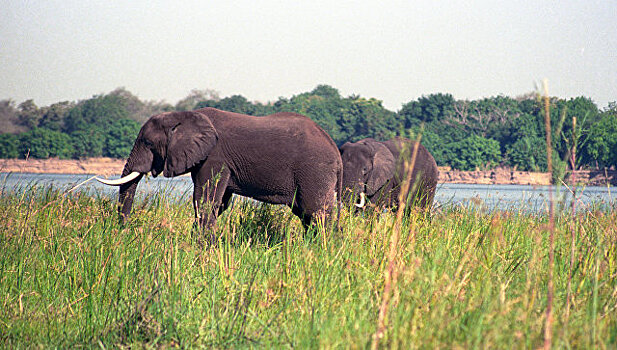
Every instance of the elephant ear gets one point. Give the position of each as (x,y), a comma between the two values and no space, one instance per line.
(188,143)
(383,167)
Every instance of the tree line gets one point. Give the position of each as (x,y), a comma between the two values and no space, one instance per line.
(462,134)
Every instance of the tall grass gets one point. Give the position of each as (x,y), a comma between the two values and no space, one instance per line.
(70,275)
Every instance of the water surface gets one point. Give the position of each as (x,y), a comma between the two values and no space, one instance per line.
(524,198)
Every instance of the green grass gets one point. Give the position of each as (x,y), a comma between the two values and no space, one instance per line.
(70,275)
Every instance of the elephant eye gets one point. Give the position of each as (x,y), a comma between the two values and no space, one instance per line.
(148,143)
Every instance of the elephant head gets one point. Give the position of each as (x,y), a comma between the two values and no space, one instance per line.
(368,166)
(169,143)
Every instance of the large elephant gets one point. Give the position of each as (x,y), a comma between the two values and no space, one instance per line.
(375,170)
(284,158)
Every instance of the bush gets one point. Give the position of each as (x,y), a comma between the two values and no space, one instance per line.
(528,154)
(44,143)
(120,138)
(9,146)
(602,141)
(474,152)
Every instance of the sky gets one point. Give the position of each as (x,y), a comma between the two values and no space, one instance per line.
(395,51)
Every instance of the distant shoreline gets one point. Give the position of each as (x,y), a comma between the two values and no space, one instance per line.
(498,176)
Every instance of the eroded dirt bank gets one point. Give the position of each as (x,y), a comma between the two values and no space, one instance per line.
(95,166)
(506,176)
(499,176)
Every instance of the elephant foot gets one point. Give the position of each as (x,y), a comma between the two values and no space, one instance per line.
(205,235)
(207,240)
(211,238)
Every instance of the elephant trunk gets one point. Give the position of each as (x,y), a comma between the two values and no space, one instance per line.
(127,194)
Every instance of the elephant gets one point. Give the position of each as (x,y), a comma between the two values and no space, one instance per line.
(283,158)
(375,170)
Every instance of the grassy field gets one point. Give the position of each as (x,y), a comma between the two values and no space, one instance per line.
(70,275)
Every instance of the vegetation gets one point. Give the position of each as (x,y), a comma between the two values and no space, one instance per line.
(467,135)
(105,125)
(70,276)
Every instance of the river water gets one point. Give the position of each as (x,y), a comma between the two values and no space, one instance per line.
(485,197)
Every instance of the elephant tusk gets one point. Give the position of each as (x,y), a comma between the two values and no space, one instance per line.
(362,201)
(121,181)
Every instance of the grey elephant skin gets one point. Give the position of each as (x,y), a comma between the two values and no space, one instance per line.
(284,158)
(376,169)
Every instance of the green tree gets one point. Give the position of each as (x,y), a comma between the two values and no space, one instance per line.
(326,91)
(528,153)
(427,109)
(323,105)
(474,152)
(601,146)
(53,116)
(448,132)
(360,118)
(9,146)
(29,114)
(120,138)
(523,142)
(98,111)
(562,112)
(488,117)
(344,119)
(237,104)
(88,143)
(44,143)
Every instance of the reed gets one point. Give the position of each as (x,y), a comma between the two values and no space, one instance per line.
(574,142)
(548,325)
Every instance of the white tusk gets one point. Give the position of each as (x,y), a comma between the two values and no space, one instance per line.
(362,201)
(121,181)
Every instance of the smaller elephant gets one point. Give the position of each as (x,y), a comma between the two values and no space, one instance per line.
(375,170)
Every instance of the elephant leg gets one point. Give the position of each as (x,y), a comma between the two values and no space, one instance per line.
(427,191)
(209,188)
(315,197)
(304,217)
(225,201)
(311,211)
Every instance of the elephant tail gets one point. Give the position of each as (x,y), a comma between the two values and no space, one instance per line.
(339,197)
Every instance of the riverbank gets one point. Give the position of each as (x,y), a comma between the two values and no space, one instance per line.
(507,176)
(99,166)
(498,176)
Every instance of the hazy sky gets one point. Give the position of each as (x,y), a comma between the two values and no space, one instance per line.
(395,51)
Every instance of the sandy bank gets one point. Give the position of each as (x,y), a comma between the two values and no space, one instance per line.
(98,166)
